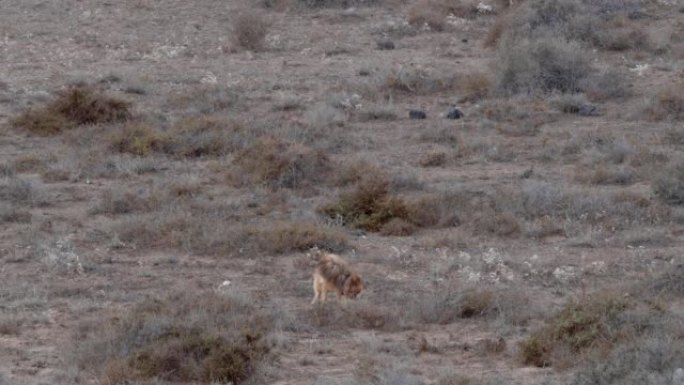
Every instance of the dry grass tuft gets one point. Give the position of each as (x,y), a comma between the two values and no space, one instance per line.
(205,135)
(417,80)
(544,65)
(283,237)
(204,338)
(398,227)
(280,164)
(433,159)
(368,206)
(73,107)
(249,30)
(668,104)
(475,86)
(427,13)
(582,324)
(138,138)
(192,137)
(669,184)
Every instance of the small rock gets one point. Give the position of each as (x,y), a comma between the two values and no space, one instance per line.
(454,113)
(385,44)
(464,40)
(588,110)
(417,114)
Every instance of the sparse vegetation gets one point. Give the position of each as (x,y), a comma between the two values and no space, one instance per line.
(286,237)
(73,107)
(667,104)
(279,164)
(209,338)
(368,206)
(669,185)
(249,30)
(157,214)
(543,65)
(582,324)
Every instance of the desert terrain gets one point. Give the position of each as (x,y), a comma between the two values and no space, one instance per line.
(166,166)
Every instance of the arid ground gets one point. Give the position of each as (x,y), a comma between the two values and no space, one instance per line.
(165,165)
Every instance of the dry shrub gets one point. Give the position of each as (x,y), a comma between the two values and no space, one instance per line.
(358,314)
(437,210)
(544,65)
(333,3)
(669,184)
(368,206)
(416,80)
(475,86)
(603,175)
(283,237)
(192,137)
(433,13)
(138,138)
(355,171)
(203,99)
(668,284)
(668,104)
(652,360)
(477,303)
(249,30)
(582,324)
(445,306)
(428,12)
(497,30)
(545,227)
(205,338)
(398,227)
(73,107)
(605,85)
(116,202)
(622,39)
(206,135)
(31,163)
(375,113)
(278,164)
(9,213)
(433,159)
(602,24)
(503,224)
(21,192)
(568,103)
(521,111)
